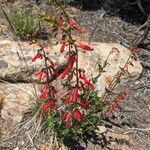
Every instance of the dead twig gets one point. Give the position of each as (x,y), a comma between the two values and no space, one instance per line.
(31,140)
(6,139)
(141,8)
(146,25)
(137,2)
(38,126)
(131,130)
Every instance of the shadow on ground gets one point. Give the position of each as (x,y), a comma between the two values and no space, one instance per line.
(96,140)
(127,10)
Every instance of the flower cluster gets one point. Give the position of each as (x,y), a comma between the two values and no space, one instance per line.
(110,90)
(71,105)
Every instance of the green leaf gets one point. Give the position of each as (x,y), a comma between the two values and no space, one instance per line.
(123,71)
(95,79)
(118,80)
(101,69)
(107,90)
(49,122)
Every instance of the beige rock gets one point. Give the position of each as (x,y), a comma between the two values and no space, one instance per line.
(5,128)
(14,105)
(13,66)
(49,146)
(101,129)
(15,60)
(2,96)
(46,146)
(19,98)
(116,60)
(17,148)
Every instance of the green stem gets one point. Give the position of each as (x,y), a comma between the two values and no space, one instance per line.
(113,80)
(67,17)
(47,73)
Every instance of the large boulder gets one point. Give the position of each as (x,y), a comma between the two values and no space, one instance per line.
(16,65)
(15,60)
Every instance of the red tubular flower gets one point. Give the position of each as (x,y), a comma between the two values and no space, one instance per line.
(36,57)
(61,22)
(77,115)
(113,107)
(62,48)
(85,46)
(84,103)
(40,75)
(64,116)
(86,81)
(55,71)
(54,107)
(65,94)
(127,69)
(46,51)
(68,101)
(75,94)
(78,29)
(53,91)
(51,104)
(43,94)
(120,97)
(65,73)
(71,63)
(53,67)
(67,118)
(72,23)
(72,59)
(44,107)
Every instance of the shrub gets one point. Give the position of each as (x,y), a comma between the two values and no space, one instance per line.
(75,111)
(25,24)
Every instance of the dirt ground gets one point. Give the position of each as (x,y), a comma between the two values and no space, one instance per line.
(109,24)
